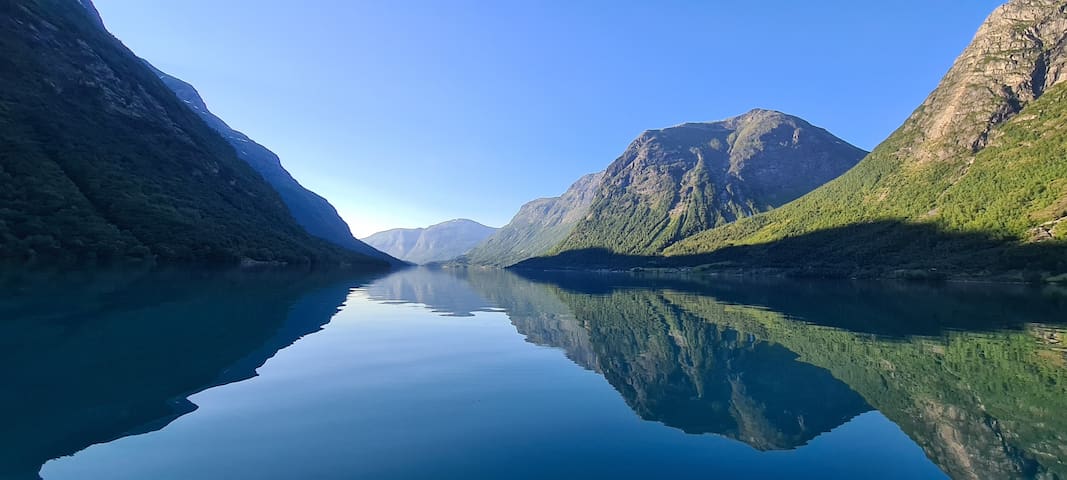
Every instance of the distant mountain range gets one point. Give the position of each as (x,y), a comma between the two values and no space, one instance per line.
(103,163)
(437,243)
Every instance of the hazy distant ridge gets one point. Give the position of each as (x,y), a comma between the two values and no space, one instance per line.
(437,243)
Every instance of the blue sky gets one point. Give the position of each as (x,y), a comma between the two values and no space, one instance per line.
(407,113)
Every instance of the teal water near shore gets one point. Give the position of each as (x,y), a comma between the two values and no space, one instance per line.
(485,374)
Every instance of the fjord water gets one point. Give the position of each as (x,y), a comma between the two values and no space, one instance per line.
(484,374)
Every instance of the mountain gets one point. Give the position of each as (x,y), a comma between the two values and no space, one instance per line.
(309,209)
(103,163)
(437,243)
(539,226)
(678,181)
(974,181)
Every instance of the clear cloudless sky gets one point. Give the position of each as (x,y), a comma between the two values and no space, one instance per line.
(406,113)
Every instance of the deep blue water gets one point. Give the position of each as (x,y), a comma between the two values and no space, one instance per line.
(456,374)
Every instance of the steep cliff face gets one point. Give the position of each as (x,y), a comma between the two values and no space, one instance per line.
(101,162)
(1016,56)
(979,166)
(539,226)
(678,181)
(437,243)
(309,209)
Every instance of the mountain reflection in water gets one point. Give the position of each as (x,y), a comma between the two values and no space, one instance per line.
(974,375)
(94,357)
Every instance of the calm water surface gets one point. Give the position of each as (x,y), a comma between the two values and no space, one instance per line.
(485,374)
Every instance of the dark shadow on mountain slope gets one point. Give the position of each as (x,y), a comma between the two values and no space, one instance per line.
(98,357)
(981,404)
(701,377)
(877,249)
(676,368)
(887,308)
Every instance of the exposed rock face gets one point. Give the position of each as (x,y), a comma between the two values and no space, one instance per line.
(309,209)
(437,243)
(678,181)
(538,227)
(978,167)
(1016,56)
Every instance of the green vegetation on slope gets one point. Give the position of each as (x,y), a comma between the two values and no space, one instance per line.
(675,182)
(973,181)
(701,377)
(100,162)
(999,198)
(982,405)
(539,226)
(311,211)
(971,374)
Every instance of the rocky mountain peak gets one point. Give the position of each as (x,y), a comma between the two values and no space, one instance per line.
(680,180)
(759,116)
(1017,55)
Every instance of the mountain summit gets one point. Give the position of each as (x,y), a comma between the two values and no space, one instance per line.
(974,180)
(678,181)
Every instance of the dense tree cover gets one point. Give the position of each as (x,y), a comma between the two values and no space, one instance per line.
(538,227)
(971,184)
(100,162)
(515,243)
(996,201)
(311,211)
(679,181)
